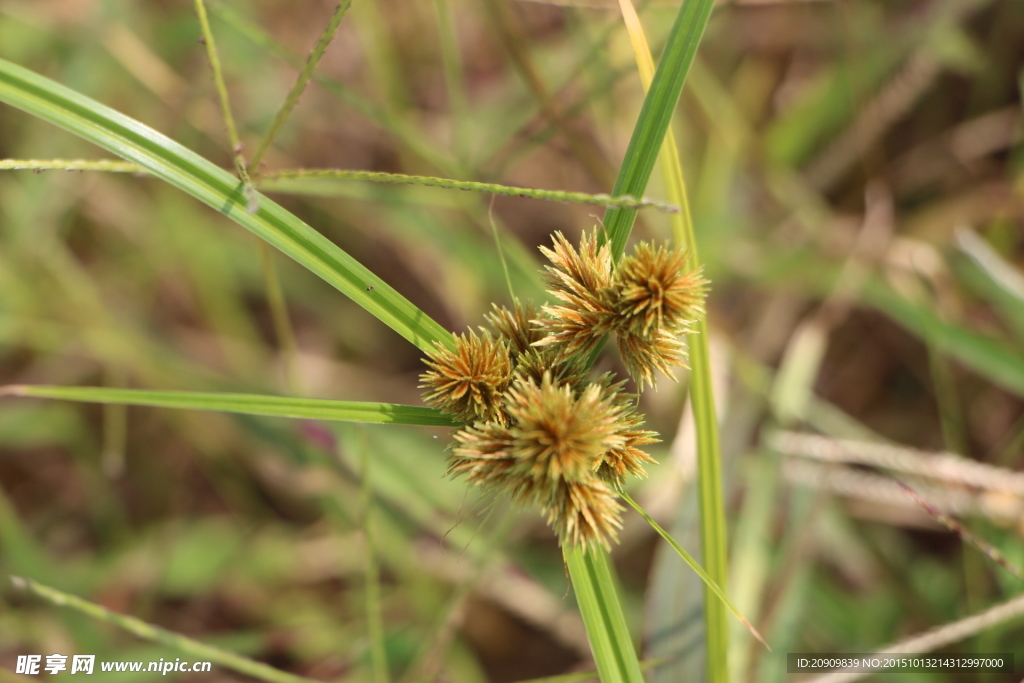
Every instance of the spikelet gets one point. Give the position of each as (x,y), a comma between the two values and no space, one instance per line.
(557,435)
(584,514)
(620,461)
(644,356)
(538,361)
(550,454)
(583,281)
(467,383)
(483,455)
(516,326)
(657,292)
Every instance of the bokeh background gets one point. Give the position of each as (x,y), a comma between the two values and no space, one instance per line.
(856,174)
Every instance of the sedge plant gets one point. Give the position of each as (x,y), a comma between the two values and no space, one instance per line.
(530,420)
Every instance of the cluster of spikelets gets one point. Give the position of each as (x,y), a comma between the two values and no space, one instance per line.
(534,426)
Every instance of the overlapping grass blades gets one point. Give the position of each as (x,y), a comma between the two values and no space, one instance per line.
(186,170)
(709,480)
(616,659)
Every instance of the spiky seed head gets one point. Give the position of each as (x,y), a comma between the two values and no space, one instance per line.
(516,326)
(618,462)
(584,514)
(540,360)
(627,459)
(559,436)
(550,454)
(578,273)
(483,455)
(467,382)
(582,280)
(643,356)
(657,291)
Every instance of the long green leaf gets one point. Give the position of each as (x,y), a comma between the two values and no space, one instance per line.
(655,116)
(602,614)
(186,170)
(250,404)
(709,476)
(603,618)
(999,362)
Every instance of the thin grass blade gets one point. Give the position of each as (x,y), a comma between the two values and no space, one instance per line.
(655,116)
(714,544)
(176,641)
(300,83)
(249,404)
(624,201)
(104,165)
(712,586)
(186,170)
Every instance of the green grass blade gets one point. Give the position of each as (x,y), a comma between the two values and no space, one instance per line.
(186,170)
(602,614)
(714,543)
(623,201)
(300,83)
(252,200)
(712,586)
(250,404)
(105,165)
(137,627)
(660,103)
(218,78)
(609,637)
(999,362)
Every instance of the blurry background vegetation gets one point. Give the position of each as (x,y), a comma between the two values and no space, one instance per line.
(857,180)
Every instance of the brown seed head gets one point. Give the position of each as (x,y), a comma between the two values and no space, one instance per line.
(657,291)
(558,435)
(643,356)
(516,326)
(583,281)
(467,383)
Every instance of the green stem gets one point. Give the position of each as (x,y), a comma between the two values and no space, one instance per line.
(300,84)
(617,201)
(597,596)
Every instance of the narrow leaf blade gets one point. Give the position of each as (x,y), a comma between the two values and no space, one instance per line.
(250,404)
(186,170)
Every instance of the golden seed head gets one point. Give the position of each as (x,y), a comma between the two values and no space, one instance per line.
(657,292)
(557,434)
(582,280)
(584,514)
(467,382)
(516,326)
(643,356)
